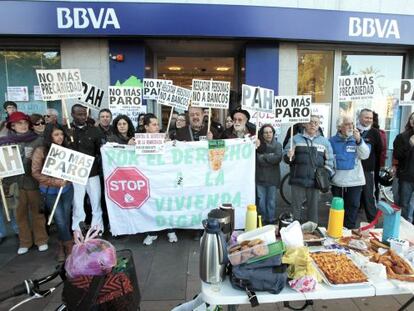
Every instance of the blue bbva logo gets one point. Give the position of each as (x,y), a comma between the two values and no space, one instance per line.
(82,18)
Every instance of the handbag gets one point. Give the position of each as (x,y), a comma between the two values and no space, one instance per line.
(322,176)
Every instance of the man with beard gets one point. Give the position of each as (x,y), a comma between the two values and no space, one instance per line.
(241,128)
(196,129)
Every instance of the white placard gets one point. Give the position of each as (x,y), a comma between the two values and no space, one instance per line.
(68,164)
(92,96)
(152,88)
(174,96)
(407,92)
(18,93)
(60,83)
(356,87)
(124,98)
(10,161)
(210,94)
(37,93)
(262,118)
(323,112)
(257,98)
(293,109)
(149,143)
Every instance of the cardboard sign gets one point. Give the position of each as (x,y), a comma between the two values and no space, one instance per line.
(37,93)
(18,93)
(174,96)
(60,83)
(357,87)
(152,88)
(68,164)
(257,98)
(293,109)
(149,143)
(92,96)
(10,161)
(323,111)
(210,94)
(124,97)
(407,92)
(262,118)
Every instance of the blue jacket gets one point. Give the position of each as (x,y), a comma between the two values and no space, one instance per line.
(345,151)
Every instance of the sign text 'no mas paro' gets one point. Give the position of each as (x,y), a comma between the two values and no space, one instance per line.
(293,109)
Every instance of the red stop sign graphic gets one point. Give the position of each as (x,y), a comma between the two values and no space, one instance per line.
(128,187)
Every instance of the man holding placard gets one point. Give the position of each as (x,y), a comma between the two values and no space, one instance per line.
(196,130)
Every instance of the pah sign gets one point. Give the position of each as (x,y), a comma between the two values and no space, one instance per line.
(293,109)
(92,96)
(257,99)
(407,92)
(10,161)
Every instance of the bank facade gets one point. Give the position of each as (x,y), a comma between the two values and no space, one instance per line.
(293,50)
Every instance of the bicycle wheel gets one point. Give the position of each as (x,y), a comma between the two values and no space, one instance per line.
(285,189)
(386,193)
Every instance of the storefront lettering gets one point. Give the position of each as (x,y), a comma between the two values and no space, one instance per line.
(371,27)
(81,18)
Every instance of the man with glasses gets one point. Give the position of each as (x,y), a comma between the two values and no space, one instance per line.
(51,116)
(197,129)
(309,150)
(240,128)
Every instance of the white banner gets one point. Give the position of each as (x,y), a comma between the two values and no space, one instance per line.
(174,96)
(10,161)
(58,84)
(210,94)
(293,109)
(146,143)
(152,88)
(92,96)
(257,98)
(18,93)
(68,164)
(356,87)
(407,92)
(176,189)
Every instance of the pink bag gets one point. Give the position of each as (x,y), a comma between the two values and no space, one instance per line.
(90,256)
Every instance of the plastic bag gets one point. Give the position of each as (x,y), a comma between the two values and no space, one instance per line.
(292,235)
(90,256)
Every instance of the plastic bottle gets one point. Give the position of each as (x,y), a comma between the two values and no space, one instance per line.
(336,218)
(251,218)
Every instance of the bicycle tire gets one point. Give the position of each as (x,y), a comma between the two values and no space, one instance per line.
(285,187)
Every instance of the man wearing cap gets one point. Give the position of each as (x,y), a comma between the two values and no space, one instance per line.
(241,128)
(196,129)
(9,108)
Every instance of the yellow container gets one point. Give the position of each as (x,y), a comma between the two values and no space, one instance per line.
(251,218)
(336,218)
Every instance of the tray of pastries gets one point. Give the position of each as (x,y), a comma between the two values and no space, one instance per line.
(338,269)
(397,268)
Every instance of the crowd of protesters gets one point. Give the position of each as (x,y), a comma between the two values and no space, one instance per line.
(353,157)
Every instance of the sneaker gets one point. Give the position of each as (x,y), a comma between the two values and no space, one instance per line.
(172,237)
(149,239)
(43,248)
(22,250)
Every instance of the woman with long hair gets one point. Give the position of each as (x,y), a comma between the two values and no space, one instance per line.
(49,187)
(123,130)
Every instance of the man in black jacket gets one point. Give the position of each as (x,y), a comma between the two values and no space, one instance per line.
(371,137)
(404,153)
(196,129)
(86,139)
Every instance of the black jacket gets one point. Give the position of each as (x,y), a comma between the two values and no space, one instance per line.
(404,153)
(372,137)
(88,140)
(187,134)
(268,164)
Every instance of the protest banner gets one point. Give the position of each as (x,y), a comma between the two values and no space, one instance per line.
(262,118)
(10,165)
(18,93)
(293,109)
(356,87)
(176,189)
(257,98)
(407,92)
(210,94)
(68,164)
(152,88)
(323,111)
(149,143)
(174,96)
(59,84)
(92,96)
(124,97)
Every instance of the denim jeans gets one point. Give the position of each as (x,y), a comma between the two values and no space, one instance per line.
(3,228)
(405,191)
(266,197)
(352,198)
(62,214)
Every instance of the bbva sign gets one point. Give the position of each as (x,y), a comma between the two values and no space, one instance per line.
(373,27)
(81,18)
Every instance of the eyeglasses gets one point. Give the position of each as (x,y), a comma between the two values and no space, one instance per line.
(47,115)
(40,123)
(314,122)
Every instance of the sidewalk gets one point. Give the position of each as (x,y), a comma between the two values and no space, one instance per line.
(167,274)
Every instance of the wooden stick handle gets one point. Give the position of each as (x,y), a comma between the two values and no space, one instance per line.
(291,140)
(169,122)
(54,206)
(66,116)
(3,198)
(209,120)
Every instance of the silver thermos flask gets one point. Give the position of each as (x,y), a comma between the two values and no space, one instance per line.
(213,253)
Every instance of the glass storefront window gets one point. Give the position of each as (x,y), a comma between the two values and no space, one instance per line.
(315,78)
(18,68)
(388,71)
